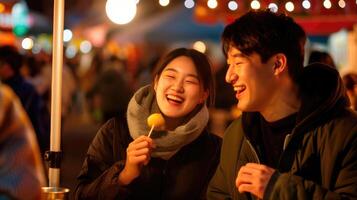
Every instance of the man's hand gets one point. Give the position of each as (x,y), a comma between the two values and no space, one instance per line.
(253,178)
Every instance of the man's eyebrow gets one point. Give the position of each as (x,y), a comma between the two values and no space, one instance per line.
(238,55)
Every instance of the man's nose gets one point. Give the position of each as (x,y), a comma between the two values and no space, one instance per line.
(231,76)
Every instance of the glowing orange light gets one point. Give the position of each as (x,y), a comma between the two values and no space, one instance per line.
(2,8)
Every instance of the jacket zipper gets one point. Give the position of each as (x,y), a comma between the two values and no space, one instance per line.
(257,159)
(254,151)
(286,140)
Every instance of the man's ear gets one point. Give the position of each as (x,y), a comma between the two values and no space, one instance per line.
(280,63)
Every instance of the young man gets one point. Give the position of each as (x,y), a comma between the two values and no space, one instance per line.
(297,138)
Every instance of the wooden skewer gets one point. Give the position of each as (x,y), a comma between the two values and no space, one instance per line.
(152,128)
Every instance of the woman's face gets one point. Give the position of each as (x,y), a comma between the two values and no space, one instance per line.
(178,89)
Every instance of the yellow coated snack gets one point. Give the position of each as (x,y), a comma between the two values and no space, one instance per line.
(156,120)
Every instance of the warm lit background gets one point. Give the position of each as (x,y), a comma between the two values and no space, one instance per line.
(137,32)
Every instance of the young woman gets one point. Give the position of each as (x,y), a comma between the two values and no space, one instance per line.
(175,162)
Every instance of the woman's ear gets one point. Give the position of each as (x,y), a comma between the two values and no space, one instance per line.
(156,79)
(204,97)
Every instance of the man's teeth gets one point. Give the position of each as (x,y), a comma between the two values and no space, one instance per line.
(239,88)
(174,98)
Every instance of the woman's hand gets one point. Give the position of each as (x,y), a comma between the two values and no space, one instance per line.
(137,155)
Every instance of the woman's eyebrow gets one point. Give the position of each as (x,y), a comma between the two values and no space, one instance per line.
(174,70)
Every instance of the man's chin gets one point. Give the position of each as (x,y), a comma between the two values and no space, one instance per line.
(244,107)
(241,107)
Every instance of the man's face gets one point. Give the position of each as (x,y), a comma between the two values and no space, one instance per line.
(252,80)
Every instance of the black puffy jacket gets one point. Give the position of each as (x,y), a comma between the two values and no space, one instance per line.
(183,176)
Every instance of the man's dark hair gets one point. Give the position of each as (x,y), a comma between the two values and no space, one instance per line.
(12,57)
(267,33)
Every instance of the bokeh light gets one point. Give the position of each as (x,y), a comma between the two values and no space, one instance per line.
(189,4)
(27,43)
(327,4)
(85,46)
(289,6)
(342,3)
(164,2)
(255,4)
(67,35)
(71,51)
(233,5)
(212,4)
(121,11)
(273,7)
(306,4)
(2,7)
(200,46)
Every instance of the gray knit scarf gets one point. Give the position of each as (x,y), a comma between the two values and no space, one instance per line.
(142,104)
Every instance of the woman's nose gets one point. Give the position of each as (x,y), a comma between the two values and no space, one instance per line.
(178,86)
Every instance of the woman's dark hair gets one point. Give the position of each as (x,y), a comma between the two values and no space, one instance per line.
(201,63)
(267,33)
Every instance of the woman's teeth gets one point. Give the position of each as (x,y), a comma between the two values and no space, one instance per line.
(174,98)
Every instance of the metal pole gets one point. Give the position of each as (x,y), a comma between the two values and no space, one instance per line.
(56,90)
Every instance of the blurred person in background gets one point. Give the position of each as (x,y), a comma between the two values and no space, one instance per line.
(178,160)
(350,81)
(297,137)
(40,73)
(143,76)
(111,91)
(21,170)
(10,63)
(321,57)
(31,68)
(43,77)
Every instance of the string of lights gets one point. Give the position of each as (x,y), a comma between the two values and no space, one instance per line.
(287,5)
